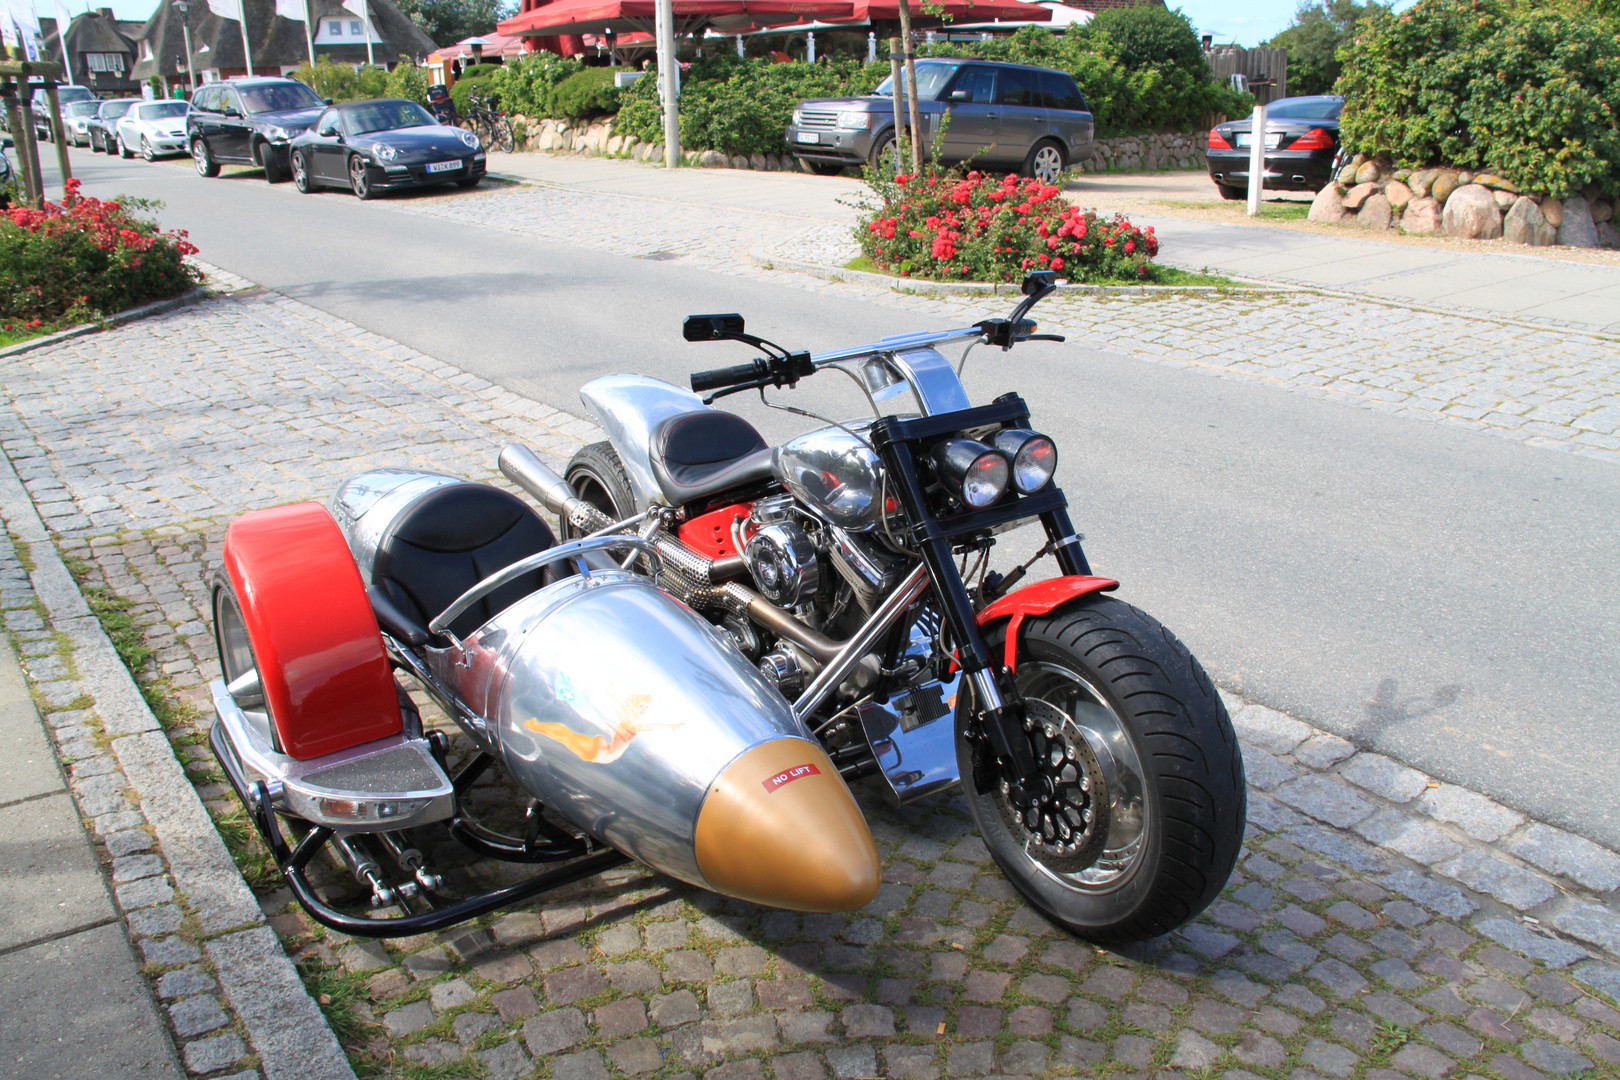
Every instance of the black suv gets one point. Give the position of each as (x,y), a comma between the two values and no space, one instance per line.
(249,121)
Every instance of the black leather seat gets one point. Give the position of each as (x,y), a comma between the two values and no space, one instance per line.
(698,454)
(449,540)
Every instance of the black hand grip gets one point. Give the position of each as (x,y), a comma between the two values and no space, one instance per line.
(728,376)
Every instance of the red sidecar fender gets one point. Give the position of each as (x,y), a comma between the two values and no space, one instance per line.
(1038,599)
(315,640)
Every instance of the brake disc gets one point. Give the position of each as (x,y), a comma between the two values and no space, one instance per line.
(1066,828)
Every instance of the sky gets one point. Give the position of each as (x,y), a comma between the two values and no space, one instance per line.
(1245,22)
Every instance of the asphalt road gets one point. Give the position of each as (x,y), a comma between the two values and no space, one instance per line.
(1443,596)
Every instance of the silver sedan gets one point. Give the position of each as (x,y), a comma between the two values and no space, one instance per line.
(154,128)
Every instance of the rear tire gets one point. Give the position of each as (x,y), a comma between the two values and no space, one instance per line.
(822,168)
(123,149)
(302,180)
(1230,193)
(1169,758)
(501,136)
(1046,161)
(597,475)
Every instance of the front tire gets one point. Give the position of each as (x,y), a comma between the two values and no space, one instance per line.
(273,172)
(146,149)
(300,173)
(202,159)
(123,149)
(822,168)
(885,155)
(1164,750)
(359,178)
(597,475)
(1232,194)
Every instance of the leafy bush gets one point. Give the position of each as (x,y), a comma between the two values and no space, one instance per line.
(1160,89)
(1314,39)
(479,77)
(741,106)
(1530,93)
(340,82)
(943,224)
(589,92)
(86,255)
(407,81)
(527,83)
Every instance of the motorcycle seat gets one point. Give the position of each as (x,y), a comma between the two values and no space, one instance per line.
(699,454)
(449,540)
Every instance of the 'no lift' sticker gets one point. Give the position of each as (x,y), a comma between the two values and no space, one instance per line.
(787,776)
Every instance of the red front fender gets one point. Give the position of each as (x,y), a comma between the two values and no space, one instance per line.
(1038,599)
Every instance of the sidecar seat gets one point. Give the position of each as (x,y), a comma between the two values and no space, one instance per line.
(698,454)
(449,540)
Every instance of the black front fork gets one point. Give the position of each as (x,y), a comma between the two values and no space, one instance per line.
(1002,707)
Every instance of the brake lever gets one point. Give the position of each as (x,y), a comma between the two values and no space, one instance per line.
(1043,337)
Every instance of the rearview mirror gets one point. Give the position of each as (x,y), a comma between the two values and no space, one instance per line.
(711,327)
(1036,280)
(961,95)
(6,143)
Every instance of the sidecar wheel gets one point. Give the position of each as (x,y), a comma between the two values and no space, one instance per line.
(598,475)
(1164,748)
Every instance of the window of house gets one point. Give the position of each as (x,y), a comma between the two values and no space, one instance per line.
(354,28)
(335,28)
(107,62)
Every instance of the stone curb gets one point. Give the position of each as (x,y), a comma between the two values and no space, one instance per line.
(284,1024)
(973,288)
(157,307)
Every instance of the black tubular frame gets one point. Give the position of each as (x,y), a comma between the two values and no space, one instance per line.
(293,862)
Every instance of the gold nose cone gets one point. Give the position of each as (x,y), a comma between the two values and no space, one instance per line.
(779,827)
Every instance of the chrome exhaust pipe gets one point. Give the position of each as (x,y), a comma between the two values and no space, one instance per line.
(523,468)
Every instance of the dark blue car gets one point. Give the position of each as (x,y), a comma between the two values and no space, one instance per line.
(1302,146)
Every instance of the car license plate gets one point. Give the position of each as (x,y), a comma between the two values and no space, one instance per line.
(1273,139)
(809,136)
(443,166)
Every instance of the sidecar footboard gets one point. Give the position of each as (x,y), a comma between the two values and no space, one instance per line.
(293,860)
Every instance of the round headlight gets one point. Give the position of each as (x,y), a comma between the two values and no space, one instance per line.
(469,138)
(385,152)
(1034,458)
(859,119)
(977,474)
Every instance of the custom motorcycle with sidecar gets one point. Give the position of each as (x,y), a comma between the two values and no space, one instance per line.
(725,637)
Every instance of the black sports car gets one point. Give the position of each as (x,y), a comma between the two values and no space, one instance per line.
(375,146)
(103,127)
(1302,145)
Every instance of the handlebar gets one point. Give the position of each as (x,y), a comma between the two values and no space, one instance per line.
(715,378)
(761,371)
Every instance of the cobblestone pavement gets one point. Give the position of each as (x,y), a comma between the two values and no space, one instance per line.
(1381,925)
(1539,384)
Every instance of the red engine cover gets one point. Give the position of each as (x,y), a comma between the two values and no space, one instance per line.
(710,534)
(314,637)
(1038,599)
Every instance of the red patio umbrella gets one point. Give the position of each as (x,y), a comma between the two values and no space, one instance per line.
(955,10)
(621,16)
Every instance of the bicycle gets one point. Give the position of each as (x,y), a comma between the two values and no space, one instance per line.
(490,124)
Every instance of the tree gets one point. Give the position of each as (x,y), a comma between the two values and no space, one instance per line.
(1150,36)
(1314,40)
(449,21)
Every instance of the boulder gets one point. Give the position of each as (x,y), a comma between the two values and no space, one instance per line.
(1419,181)
(740,161)
(1368,173)
(1608,235)
(1577,229)
(1358,160)
(1358,195)
(1472,214)
(713,159)
(1347,175)
(1525,224)
(1491,180)
(1442,186)
(1465,178)
(1375,213)
(1553,211)
(1504,199)
(1398,195)
(1602,210)
(1402,174)
(1328,206)
(1422,217)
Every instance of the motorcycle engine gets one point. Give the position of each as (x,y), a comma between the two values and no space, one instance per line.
(784,563)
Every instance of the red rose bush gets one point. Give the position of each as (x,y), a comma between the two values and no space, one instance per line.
(86,256)
(948,226)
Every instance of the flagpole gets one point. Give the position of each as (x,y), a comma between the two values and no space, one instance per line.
(309,33)
(365,13)
(247,49)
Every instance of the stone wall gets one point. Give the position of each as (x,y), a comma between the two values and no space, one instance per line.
(1463,204)
(1131,153)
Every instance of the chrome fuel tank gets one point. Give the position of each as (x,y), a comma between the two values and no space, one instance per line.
(624,711)
(835,474)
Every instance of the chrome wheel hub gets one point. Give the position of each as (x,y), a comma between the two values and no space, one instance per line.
(1066,825)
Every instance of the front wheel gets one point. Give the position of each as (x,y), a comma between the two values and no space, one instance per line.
(1142,779)
(300,173)
(123,149)
(202,159)
(501,136)
(146,149)
(359,178)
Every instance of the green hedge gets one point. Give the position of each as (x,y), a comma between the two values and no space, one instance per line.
(586,93)
(741,106)
(527,83)
(340,82)
(1525,91)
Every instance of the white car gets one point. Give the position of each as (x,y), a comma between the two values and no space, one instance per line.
(76,117)
(154,128)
